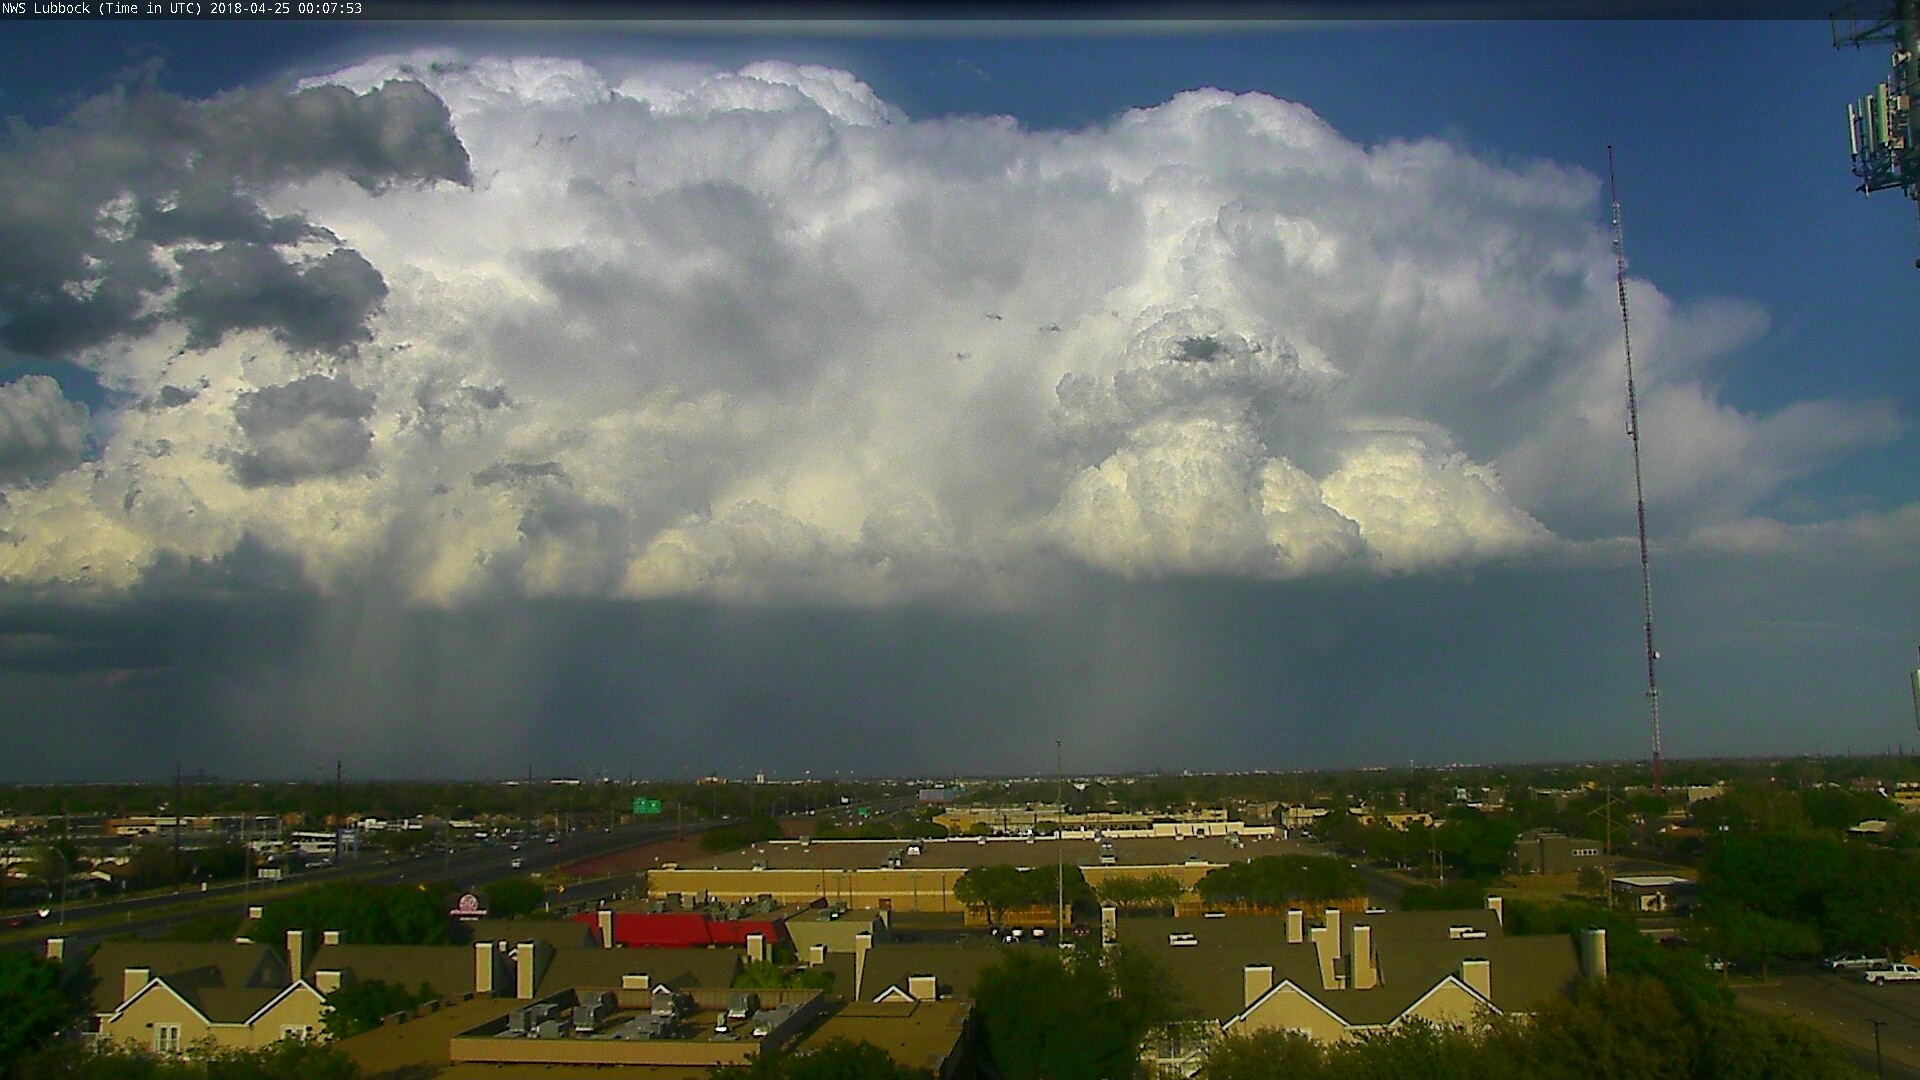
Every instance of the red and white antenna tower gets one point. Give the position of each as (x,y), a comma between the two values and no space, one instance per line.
(1639,493)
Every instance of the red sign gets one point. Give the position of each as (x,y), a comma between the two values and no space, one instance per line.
(468,908)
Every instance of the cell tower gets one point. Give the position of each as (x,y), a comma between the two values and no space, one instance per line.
(1916,697)
(1881,128)
(1639,492)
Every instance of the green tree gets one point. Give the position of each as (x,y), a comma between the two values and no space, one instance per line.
(514,898)
(1156,890)
(286,1059)
(366,914)
(1276,880)
(362,1006)
(32,1007)
(1453,896)
(1750,936)
(1043,1018)
(833,1059)
(1264,1055)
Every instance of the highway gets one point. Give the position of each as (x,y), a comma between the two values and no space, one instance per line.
(465,868)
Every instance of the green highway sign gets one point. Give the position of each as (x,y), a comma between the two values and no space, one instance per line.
(646,806)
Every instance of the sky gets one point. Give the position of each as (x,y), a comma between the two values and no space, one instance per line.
(660,399)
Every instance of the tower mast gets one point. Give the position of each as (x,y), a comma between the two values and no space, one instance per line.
(1639,491)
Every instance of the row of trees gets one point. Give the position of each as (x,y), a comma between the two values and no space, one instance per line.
(1786,893)
(1277,880)
(1001,888)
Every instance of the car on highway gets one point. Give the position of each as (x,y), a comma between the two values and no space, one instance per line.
(516,864)
(1853,962)
(1893,973)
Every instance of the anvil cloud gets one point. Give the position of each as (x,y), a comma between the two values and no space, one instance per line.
(469,327)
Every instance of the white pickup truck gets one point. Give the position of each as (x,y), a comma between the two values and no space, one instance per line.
(1894,973)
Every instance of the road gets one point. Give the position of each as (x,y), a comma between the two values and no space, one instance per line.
(466,868)
(1843,1006)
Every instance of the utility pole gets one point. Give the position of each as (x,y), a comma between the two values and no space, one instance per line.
(1639,492)
(176,826)
(1879,1062)
(1059,846)
(339,814)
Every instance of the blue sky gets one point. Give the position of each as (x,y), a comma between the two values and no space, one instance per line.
(1739,210)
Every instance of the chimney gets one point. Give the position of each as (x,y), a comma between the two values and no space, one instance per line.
(57,949)
(1258,979)
(256,912)
(1109,924)
(1593,952)
(1332,921)
(606,927)
(756,948)
(523,973)
(134,979)
(1478,974)
(486,967)
(1498,905)
(817,954)
(329,937)
(1328,952)
(636,981)
(1296,926)
(862,941)
(1360,970)
(296,953)
(923,988)
(326,981)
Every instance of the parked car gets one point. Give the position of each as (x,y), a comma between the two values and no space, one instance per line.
(1853,962)
(1894,973)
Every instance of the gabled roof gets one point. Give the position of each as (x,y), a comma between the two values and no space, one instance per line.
(681,969)
(448,969)
(956,968)
(1413,950)
(187,966)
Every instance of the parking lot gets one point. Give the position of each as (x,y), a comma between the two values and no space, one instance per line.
(1844,1006)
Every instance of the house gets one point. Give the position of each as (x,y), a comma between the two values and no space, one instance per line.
(167,996)
(1340,976)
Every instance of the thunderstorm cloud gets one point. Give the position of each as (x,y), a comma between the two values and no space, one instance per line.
(534,326)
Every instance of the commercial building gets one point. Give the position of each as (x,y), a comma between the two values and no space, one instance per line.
(1540,852)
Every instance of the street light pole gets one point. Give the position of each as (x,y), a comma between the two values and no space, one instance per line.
(1879,1063)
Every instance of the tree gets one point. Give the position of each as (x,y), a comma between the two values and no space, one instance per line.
(514,898)
(1156,890)
(367,915)
(286,1059)
(1043,1018)
(1453,896)
(32,1007)
(362,1006)
(1276,880)
(833,1059)
(1750,936)
(1263,1055)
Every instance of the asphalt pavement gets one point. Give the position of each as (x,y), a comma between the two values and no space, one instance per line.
(1844,1007)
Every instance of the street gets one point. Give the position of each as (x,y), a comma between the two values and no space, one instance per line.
(1843,1007)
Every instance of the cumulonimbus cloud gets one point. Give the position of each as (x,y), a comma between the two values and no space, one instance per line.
(543,326)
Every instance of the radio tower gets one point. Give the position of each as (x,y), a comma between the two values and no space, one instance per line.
(1639,493)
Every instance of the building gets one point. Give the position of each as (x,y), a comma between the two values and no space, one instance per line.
(1540,852)
(168,996)
(918,875)
(1649,893)
(1337,977)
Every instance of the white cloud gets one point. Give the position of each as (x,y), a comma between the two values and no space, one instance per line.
(41,432)
(756,334)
